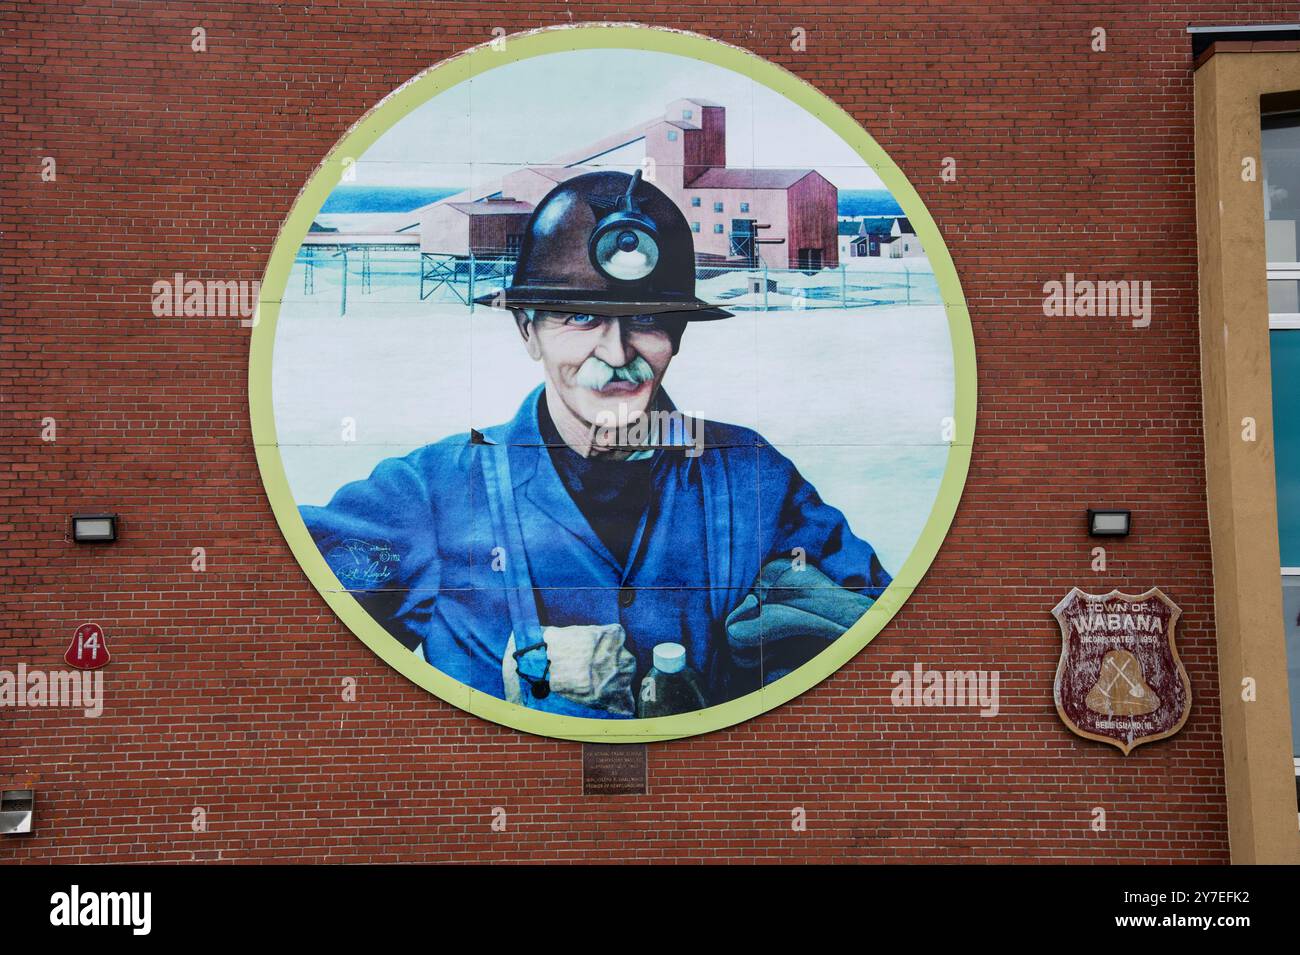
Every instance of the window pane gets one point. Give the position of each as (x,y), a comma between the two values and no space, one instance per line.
(1283,296)
(1291,614)
(1285,347)
(1281,146)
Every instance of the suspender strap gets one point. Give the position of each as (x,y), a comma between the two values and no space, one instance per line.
(530,649)
(717,533)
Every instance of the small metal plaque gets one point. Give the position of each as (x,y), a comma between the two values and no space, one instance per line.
(613,769)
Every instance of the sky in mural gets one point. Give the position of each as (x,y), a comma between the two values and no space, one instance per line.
(507,117)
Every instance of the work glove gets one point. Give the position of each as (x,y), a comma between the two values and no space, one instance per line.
(590,665)
(790,616)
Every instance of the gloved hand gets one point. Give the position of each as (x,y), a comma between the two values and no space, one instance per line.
(590,665)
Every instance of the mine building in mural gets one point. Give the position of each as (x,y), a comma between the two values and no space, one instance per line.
(784,218)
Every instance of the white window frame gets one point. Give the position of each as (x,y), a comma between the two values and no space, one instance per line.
(1280,272)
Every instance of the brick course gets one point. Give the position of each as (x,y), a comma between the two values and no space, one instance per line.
(224,689)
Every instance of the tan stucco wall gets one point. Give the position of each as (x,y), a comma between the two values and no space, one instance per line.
(1237,384)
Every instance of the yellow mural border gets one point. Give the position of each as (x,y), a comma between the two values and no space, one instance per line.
(442,77)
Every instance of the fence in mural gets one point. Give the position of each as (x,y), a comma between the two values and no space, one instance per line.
(392,272)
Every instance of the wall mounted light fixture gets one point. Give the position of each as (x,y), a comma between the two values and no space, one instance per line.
(94,528)
(16,806)
(1108,523)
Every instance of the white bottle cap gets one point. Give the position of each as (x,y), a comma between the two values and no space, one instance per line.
(670,657)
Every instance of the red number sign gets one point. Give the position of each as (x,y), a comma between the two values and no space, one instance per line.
(88,649)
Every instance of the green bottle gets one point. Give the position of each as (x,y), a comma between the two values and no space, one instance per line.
(671,686)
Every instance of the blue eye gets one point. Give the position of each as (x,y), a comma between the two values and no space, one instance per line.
(584,321)
(643,321)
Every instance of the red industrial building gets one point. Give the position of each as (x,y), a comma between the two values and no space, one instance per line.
(785,218)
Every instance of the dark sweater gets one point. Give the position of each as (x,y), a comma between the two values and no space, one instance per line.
(612,495)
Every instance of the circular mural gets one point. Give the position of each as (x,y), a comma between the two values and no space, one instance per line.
(611,383)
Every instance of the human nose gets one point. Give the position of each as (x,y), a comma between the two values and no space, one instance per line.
(613,348)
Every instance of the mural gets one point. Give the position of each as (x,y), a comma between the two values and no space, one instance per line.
(615,418)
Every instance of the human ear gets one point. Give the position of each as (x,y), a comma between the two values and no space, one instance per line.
(528,332)
(675,331)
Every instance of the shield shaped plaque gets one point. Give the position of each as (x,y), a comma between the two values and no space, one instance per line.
(1119,679)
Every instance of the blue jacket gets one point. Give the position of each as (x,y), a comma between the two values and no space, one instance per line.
(437,550)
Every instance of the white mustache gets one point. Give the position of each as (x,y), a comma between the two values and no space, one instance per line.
(596,374)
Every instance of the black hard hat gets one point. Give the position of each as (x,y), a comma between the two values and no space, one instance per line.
(606,243)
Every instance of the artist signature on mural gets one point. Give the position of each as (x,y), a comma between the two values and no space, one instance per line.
(364,563)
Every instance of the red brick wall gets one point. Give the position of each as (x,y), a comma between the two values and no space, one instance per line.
(224,689)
